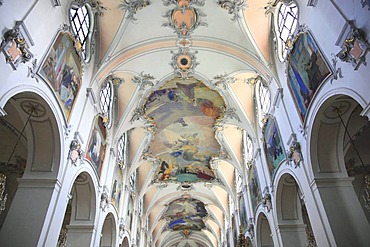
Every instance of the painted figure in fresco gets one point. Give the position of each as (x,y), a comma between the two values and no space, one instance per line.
(94,149)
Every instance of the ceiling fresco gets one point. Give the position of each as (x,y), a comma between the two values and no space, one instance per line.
(186,214)
(184,112)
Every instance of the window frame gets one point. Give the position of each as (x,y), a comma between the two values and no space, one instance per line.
(121,150)
(87,43)
(280,22)
(262,112)
(108,102)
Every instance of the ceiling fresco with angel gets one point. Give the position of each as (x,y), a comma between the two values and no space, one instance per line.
(184,112)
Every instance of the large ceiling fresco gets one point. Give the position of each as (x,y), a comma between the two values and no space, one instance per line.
(184,112)
(186,214)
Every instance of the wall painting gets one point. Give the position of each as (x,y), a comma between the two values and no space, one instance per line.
(273,145)
(307,70)
(184,112)
(117,187)
(95,152)
(61,69)
(243,214)
(186,214)
(254,188)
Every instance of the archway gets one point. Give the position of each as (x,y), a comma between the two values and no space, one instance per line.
(264,235)
(125,242)
(80,228)
(29,163)
(293,221)
(334,156)
(108,233)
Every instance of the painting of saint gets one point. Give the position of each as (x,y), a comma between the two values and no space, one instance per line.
(254,188)
(273,145)
(61,69)
(117,187)
(184,112)
(96,146)
(307,70)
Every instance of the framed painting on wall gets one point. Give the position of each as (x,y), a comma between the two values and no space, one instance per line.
(307,70)
(254,188)
(61,69)
(96,146)
(273,145)
(243,214)
(117,187)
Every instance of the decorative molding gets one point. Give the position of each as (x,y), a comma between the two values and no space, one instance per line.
(104,199)
(295,153)
(90,94)
(32,70)
(337,72)
(184,62)
(354,46)
(132,7)
(303,131)
(137,114)
(15,45)
(231,114)
(223,80)
(233,7)
(266,200)
(3,194)
(67,130)
(143,80)
(75,152)
(98,8)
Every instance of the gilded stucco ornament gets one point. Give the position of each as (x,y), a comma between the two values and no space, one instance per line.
(294,153)
(266,200)
(233,7)
(15,45)
(132,7)
(183,62)
(75,152)
(354,45)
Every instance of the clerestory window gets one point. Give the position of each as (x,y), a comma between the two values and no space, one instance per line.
(106,102)
(81,22)
(287,21)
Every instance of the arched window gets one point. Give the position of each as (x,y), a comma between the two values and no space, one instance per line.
(248,146)
(263,99)
(239,182)
(121,150)
(106,102)
(286,24)
(81,22)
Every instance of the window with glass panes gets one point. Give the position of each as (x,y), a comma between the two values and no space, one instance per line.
(106,99)
(80,23)
(287,23)
(264,98)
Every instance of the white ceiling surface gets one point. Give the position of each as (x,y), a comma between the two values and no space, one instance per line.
(222,48)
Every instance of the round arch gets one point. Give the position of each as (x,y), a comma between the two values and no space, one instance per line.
(336,119)
(30,159)
(264,235)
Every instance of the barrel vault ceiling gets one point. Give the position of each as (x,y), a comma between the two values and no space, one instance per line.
(183,97)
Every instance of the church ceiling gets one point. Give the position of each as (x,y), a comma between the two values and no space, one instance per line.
(184,99)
